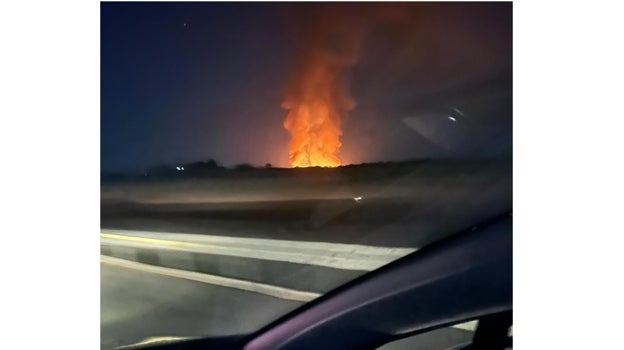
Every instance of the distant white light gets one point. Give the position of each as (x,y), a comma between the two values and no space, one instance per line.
(357,199)
(452,118)
(178,168)
(181,168)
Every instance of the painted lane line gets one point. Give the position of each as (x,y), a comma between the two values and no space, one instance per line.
(470,326)
(332,261)
(262,288)
(328,257)
(149,240)
(274,244)
(153,341)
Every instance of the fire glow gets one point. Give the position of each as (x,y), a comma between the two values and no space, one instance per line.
(314,121)
(316,97)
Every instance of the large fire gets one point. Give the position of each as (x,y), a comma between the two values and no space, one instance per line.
(328,38)
(317,97)
(314,121)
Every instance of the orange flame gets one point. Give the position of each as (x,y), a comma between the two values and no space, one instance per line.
(328,37)
(317,98)
(314,122)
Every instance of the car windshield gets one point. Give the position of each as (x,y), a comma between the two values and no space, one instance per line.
(256,156)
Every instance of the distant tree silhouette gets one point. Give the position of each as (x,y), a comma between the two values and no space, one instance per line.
(243,167)
(207,166)
(212,164)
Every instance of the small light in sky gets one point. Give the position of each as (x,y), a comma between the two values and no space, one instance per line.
(178,168)
(181,168)
(452,118)
(357,199)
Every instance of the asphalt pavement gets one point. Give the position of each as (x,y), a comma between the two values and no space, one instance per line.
(157,285)
(137,305)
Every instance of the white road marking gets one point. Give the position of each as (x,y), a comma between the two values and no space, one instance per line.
(335,255)
(467,326)
(153,341)
(262,288)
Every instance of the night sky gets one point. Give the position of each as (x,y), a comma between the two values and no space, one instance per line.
(183,82)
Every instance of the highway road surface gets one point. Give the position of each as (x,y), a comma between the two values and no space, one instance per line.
(220,255)
(177,285)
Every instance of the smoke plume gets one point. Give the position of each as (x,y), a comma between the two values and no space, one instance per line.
(317,96)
